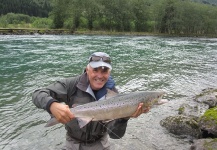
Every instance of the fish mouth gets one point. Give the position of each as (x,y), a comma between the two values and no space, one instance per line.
(161,100)
(162,95)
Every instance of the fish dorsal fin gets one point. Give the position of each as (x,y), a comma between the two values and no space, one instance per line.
(83,121)
(111,94)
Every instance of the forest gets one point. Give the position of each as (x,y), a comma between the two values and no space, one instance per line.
(154,16)
(39,8)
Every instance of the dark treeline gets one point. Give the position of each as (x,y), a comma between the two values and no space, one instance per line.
(39,8)
(161,16)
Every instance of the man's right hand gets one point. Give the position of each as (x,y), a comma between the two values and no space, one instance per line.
(61,112)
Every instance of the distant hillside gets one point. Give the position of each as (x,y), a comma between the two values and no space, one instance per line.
(210,2)
(40,8)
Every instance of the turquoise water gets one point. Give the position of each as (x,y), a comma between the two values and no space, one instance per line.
(180,66)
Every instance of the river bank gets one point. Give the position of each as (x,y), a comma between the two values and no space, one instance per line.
(33,31)
(29,31)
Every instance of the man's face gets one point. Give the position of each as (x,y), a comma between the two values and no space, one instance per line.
(97,76)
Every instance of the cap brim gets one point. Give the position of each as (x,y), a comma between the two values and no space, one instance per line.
(96,64)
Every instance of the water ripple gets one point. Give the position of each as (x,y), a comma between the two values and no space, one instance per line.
(180,66)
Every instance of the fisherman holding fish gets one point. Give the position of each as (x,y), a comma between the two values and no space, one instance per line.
(94,84)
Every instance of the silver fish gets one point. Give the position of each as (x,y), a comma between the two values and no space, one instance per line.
(119,106)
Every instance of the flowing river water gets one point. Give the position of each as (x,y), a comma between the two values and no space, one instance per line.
(182,67)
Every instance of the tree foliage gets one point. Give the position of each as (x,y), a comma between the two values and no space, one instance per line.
(21,20)
(164,16)
(160,16)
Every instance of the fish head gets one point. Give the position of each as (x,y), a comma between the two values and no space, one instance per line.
(159,99)
(155,98)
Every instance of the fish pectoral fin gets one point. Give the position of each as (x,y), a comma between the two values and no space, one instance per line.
(83,121)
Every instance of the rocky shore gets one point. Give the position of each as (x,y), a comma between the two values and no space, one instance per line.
(8,31)
(197,121)
(29,31)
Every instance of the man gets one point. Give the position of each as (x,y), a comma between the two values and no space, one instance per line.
(90,86)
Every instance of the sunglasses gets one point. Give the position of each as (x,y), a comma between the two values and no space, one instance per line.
(98,58)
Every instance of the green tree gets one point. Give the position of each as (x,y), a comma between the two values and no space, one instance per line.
(59,12)
(141,12)
(167,20)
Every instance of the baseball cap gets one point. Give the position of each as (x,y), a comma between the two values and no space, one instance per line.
(100,59)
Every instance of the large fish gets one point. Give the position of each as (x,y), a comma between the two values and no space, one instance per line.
(119,106)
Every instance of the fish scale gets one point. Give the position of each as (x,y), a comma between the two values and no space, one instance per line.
(120,106)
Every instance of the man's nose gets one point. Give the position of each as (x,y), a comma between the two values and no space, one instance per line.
(99,74)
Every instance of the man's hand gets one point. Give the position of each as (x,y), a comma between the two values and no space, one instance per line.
(61,112)
(140,110)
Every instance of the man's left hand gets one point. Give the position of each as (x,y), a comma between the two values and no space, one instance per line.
(140,111)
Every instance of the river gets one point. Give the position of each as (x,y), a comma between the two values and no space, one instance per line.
(181,66)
